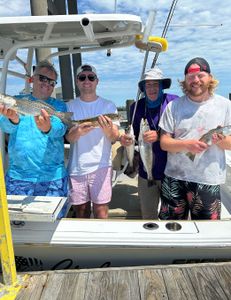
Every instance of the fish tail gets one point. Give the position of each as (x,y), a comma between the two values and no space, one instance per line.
(150,182)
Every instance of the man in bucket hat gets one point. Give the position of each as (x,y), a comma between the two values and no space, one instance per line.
(196,166)
(150,107)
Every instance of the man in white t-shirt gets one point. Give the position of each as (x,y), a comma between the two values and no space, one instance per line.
(90,166)
(194,184)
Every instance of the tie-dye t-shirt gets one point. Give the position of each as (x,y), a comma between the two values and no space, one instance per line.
(186,119)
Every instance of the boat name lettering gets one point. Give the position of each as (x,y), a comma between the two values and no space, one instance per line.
(35,264)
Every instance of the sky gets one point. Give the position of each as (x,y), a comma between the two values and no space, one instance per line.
(196,29)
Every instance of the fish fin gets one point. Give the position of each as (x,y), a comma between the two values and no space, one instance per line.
(191,156)
(43,103)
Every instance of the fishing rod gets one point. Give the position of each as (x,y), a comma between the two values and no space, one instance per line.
(148,26)
(168,20)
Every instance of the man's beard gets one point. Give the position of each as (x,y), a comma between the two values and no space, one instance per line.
(199,91)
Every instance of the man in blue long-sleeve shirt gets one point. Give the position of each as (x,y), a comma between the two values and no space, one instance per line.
(36,144)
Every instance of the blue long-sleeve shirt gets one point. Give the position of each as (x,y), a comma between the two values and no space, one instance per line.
(33,155)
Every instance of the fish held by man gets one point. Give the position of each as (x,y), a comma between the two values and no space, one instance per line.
(207,137)
(131,148)
(131,154)
(25,106)
(145,150)
(94,121)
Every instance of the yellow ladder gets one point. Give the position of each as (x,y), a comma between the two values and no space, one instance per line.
(11,285)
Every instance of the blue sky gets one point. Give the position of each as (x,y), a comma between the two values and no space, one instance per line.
(196,29)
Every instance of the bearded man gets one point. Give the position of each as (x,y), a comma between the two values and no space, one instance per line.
(195,166)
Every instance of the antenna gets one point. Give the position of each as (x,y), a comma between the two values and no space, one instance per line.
(115,6)
(171,12)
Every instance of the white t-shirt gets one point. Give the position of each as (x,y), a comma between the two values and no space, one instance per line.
(93,150)
(186,119)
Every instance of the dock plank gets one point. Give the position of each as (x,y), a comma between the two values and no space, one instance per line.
(223,274)
(178,284)
(113,285)
(152,285)
(33,287)
(170,282)
(64,285)
(206,284)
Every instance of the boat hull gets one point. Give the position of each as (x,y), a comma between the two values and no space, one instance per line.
(74,244)
(38,258)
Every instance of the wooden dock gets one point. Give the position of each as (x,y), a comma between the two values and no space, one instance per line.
(194,281)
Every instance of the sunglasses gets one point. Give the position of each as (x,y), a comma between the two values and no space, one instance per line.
(43,78)
(90,77)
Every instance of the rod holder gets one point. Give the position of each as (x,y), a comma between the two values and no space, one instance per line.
(88,29)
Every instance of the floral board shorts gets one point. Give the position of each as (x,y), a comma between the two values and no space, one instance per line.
(179,197)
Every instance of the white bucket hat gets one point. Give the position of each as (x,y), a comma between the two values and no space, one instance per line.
(155,74)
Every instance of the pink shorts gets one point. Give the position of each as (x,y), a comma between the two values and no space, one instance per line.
(95,187)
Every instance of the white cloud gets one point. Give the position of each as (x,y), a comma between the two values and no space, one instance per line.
(14,8)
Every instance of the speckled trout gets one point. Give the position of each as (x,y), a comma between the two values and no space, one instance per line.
(145,150)
(27,107)
(207,137)
(94,120)
(131,148)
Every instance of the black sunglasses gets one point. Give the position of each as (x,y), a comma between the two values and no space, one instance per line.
(90,77)
(46,79)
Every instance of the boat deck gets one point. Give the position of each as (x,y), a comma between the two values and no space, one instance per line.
(193,281)
(125,203)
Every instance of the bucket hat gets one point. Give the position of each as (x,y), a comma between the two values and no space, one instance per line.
(155,74)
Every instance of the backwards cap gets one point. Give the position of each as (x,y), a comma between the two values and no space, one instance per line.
(83,68)
(201,62)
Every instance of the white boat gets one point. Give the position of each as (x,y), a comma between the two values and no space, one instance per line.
(40,240)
